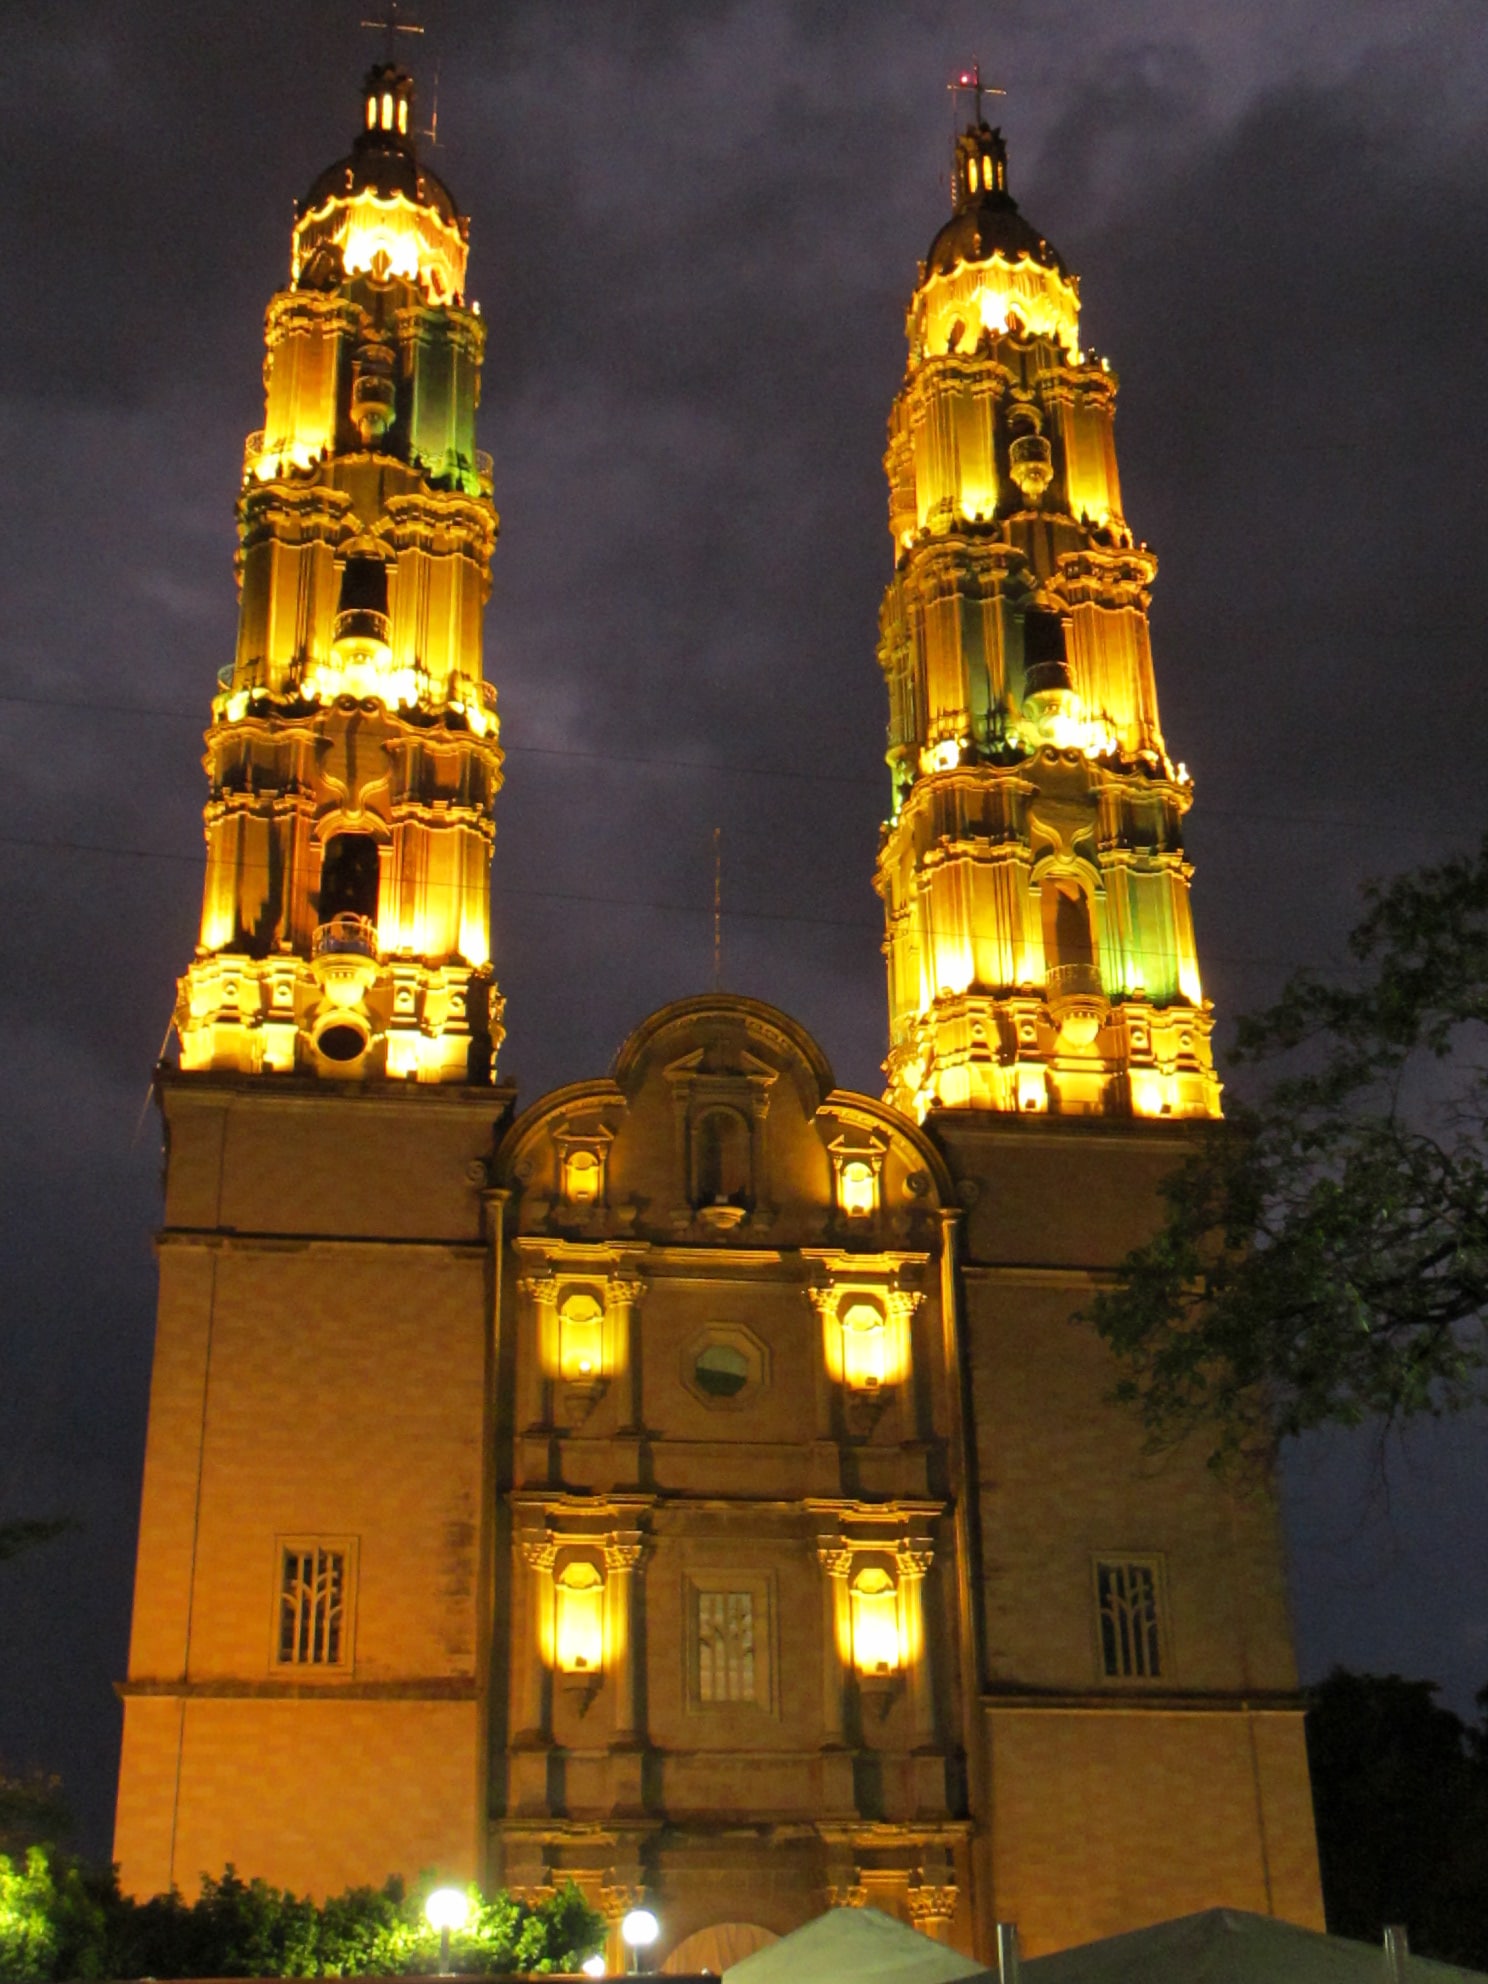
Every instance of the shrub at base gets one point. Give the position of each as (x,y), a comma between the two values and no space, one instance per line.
(59,1920)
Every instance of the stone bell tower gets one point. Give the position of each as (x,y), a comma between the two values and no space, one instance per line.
(352,753)
(1039,942)
(307,1684)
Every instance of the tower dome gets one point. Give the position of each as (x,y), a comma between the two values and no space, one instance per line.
(378,211)
(986,221)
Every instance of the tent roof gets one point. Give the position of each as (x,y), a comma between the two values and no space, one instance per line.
(1227,1946)
(857,1946)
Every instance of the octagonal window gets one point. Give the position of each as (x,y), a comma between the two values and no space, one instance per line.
(725,1364)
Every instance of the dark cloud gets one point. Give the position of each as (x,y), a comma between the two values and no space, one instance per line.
(695,231)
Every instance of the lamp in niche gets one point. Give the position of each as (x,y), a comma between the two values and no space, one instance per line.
(581,1338)
(865,1345)
(859,1189)
(579,1626)
(874,1598)
(581,1353)
(858,1171)
(582,1177)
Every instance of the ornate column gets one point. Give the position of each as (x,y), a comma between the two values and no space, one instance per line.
(932,1907)
(823,1302)
(625,1292)
(914,1558)
(534,1646)
(616,1899)
(535,1359)
(836,1561)
(622,1555)
(901,1305)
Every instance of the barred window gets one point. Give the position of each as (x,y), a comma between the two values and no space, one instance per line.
(725,1646)
(1127,1596)
(312,1605)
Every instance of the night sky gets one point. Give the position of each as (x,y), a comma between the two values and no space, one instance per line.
(695,228)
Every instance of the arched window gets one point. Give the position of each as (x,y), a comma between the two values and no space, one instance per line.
(349,877)
(580,1622)
(403,114)
(875,1621)
(971,173)
(387,111)
(581,1338)
(721,1158)
(1068,936)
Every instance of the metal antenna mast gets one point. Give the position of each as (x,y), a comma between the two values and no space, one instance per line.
(971,80)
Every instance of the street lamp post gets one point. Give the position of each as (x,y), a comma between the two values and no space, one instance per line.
(446,1909)
(639,1931)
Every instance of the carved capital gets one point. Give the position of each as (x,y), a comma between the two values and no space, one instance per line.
(834,1556)
(623,1554)
(902,1303)
(914,1558)
(927,1903)
(540,1550)
(854,1896)
(532,1894)
(540,1287)
(616,1902)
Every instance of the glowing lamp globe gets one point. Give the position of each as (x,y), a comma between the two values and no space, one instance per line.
(593,1966)
(446,1909)
(640,1928)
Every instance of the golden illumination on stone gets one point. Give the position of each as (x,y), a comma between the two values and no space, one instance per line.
(389,239)
(1027,763)
(579,1638)
(353,754)
(875,1621)
(581,1337)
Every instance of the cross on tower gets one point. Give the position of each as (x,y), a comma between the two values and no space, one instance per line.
(392,27)
(971,79)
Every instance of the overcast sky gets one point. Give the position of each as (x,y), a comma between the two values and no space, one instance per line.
(695,229)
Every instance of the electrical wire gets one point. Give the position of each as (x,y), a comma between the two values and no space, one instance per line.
(1208,810)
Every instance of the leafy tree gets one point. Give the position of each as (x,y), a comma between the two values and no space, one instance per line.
(58,1919)
(32,1811)
(1400,1790)
(54,1922)
(1324,1257)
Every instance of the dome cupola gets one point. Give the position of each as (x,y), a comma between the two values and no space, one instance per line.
(378,208)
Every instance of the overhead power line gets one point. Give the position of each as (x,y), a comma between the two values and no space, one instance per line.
(1278,819)
(594,900)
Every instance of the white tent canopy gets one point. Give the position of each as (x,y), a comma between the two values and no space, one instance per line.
(856,1946)
(1229,1946)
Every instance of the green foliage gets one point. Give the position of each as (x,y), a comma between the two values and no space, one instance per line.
(1400,1788)
(54,1921)
(1324,1257)
(32,1811)
(58,1920)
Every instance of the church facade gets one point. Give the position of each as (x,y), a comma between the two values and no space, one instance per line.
(697,1483)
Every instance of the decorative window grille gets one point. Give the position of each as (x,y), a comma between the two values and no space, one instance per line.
(312,1606)
(725,1646)
(1127,1601)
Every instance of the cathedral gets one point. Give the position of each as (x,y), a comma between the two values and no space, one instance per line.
(696,1482)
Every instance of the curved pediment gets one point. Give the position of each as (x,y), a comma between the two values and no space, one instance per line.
(721,1126)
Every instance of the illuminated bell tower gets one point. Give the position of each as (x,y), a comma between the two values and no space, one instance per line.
(1039,940)
(353,753)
